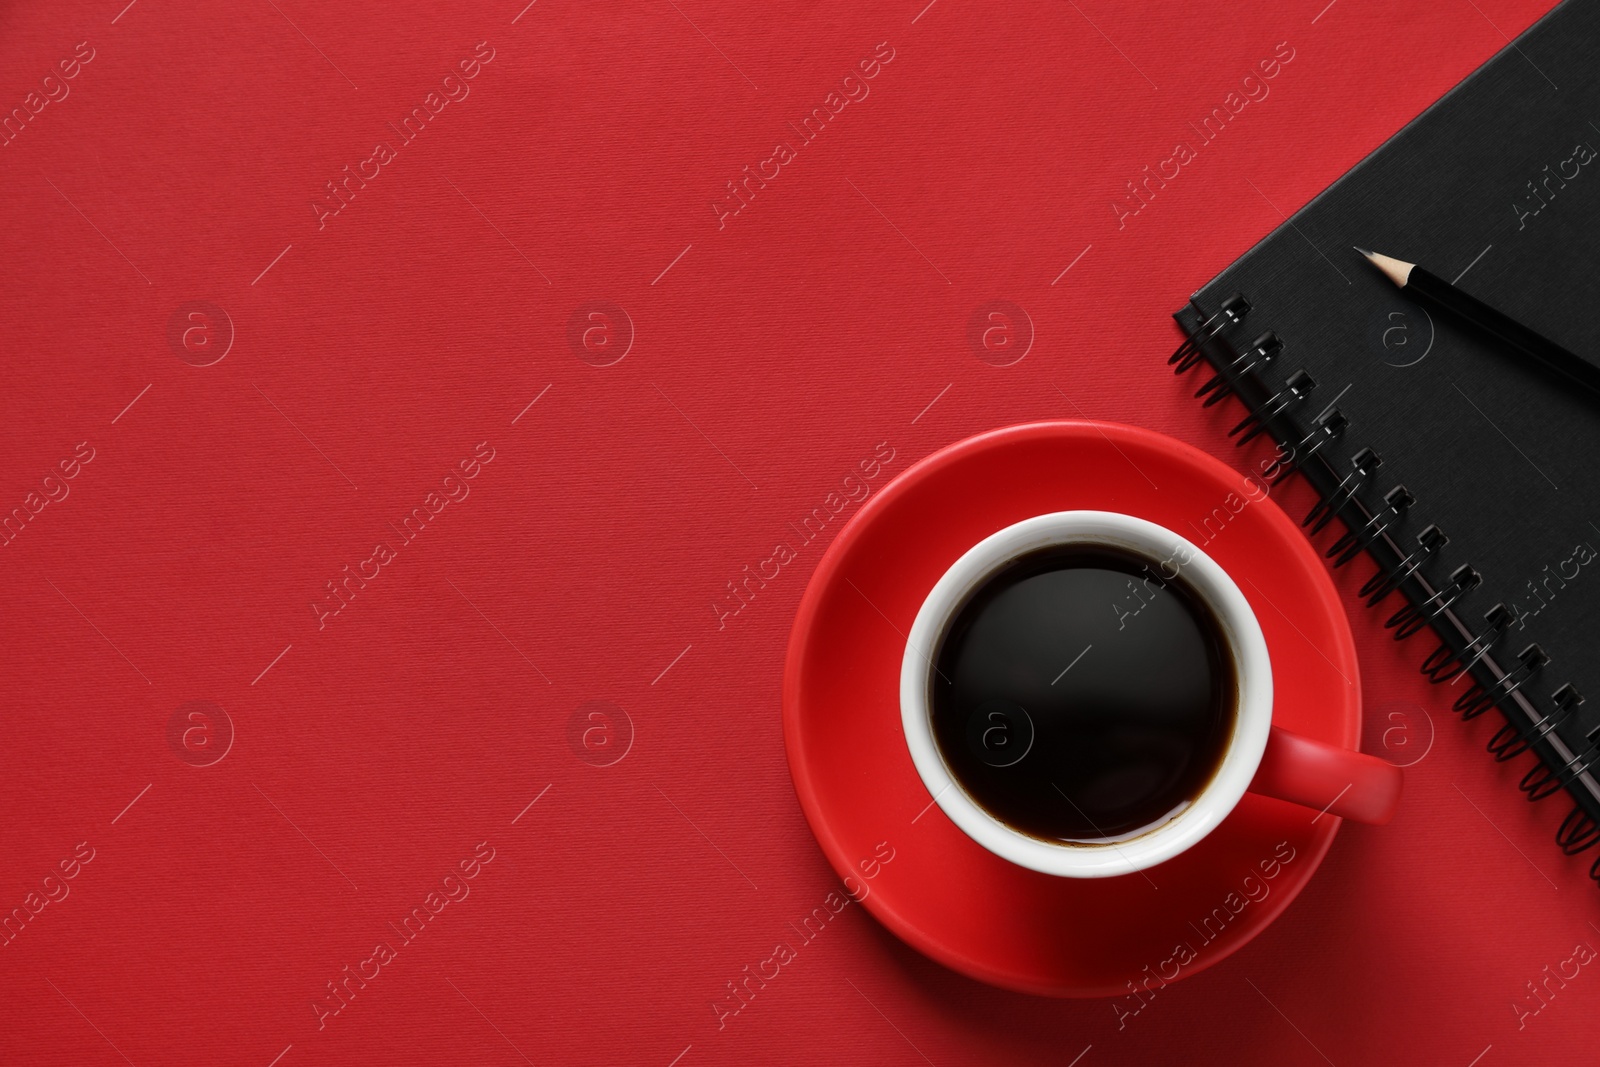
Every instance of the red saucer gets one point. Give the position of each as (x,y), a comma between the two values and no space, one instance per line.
(944,894)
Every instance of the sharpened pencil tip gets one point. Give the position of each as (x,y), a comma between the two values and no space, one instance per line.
(1364,251)
(1396,270)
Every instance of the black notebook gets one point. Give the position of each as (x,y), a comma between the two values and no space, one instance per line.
(1469,477)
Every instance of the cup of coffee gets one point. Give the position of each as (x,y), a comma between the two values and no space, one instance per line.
(1088,694)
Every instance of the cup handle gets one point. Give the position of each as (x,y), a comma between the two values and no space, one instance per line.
(1339,781)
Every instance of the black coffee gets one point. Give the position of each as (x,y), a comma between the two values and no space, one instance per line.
(1081,696)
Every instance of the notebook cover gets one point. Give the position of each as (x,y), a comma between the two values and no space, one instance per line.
(374,351)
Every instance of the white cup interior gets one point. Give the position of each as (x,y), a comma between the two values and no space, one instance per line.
(1173,556)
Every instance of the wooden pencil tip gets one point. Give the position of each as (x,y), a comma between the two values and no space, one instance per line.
(1396,270)
(1363,251)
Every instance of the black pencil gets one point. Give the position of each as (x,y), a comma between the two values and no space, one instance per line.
(1435,290)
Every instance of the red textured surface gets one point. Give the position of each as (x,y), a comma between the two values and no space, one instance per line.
(769,359)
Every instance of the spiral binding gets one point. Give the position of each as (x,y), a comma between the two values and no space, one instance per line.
(1344,496)
(1232,311)
(1445,663)
(1257,357)
(1480,698)
(1380,585)
(1578,831)
(1512,740)
(1366,463)
(1543,779)
(1285,400)
(1413,617)
(1395,504)
(1329,426)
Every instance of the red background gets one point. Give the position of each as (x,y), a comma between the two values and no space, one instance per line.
(372,755)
